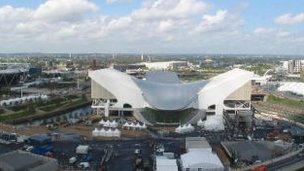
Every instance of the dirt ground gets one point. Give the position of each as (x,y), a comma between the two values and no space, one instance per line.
(78,129)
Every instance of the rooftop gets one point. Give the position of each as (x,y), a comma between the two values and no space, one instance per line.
(20,160)
(197,142)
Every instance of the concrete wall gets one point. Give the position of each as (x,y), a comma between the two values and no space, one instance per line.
(243,93)
(99,92)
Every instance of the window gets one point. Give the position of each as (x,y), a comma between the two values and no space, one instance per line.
(113,100)
(126,105)
(212,107)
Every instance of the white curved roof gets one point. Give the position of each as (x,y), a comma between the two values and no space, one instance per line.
(169,95)
(221,86)
(121,85)
(293,87)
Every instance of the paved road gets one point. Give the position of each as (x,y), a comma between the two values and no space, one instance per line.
(123,153)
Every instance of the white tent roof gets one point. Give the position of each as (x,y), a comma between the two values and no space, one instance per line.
(102,122)
(165,164)
(200,122)
(201,158)
(293,87)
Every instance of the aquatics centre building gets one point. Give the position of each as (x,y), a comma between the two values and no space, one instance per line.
(162,98)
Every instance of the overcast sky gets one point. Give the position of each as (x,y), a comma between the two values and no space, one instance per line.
(153,26)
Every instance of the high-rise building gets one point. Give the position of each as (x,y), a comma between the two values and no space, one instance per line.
(293,66)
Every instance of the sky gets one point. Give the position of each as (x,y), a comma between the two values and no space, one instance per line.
(152,26)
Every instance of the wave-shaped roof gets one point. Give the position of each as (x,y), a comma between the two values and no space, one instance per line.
(174,96)
(165,92)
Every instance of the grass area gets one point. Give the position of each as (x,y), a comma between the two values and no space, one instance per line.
(62,104)
(5,91)
(285,101)
(297,118)
(2,111)
(46,106)
(21,113)
(57,85)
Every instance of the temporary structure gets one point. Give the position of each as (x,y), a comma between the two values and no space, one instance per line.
(82,149)
(107,124)
(116,133)
(102,132)
(102,122)
(95,132)
(184,129)
(109,133)
(178,129)
(200,123)
(293,87)
(144,126)
(113,124)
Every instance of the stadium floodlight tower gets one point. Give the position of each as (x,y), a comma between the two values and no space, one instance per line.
(162,97)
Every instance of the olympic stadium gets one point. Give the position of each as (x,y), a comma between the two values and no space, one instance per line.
(162,98)
(9,77)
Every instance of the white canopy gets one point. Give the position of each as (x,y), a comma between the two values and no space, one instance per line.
(116,133)
(293,87)
(102,122)
(178,129)
(95,132)
(113,124)
(102,132)
(200,123)
(184,129)
(201,158)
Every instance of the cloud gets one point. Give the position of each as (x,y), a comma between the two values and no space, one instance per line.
(271,31)
(63,10)
(290,19)
(165,25)
(155,26)
(118,1)
(10,14)
(221,21)
(262,30)
(174,9)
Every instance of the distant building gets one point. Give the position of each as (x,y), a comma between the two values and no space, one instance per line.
(165,65)
(293,66)
(35,71)
(127,67)
(21,160)
(9,77)
(199,156)
(284,65)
